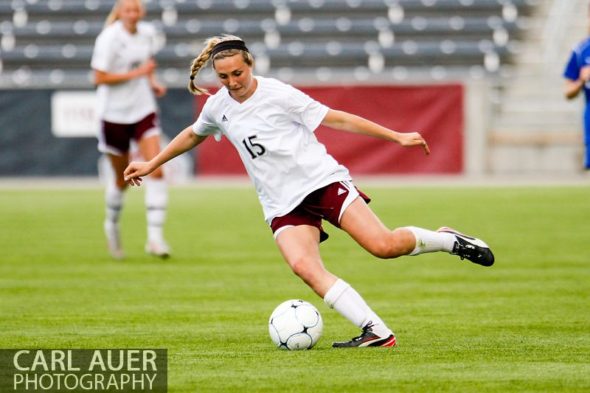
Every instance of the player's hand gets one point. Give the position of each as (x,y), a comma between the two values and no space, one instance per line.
(134,171)
(585,73)
(414,139)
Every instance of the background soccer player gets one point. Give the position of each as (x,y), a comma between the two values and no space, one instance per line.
(124,73)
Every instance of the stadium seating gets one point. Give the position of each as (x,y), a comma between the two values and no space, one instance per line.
(48,43)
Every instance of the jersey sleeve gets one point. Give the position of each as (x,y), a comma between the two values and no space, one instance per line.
(204,125)
(572,69)
(102,55)
(304,109)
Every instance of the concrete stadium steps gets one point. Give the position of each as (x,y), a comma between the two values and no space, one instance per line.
(373,35)
(534,128)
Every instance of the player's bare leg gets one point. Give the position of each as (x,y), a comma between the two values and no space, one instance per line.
(300,248)
(359,221)
(299,245)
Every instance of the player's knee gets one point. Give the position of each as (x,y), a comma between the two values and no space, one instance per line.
(304,267)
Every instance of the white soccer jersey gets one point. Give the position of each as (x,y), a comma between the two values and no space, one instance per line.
(273,131)
(118,51)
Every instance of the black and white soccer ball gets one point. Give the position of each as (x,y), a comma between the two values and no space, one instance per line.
(295,324)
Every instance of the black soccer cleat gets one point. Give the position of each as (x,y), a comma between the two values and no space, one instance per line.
(470,248)
(367,339)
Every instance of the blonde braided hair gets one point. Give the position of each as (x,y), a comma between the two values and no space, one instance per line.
(201,60)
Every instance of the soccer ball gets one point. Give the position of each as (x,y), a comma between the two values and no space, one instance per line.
(295,324)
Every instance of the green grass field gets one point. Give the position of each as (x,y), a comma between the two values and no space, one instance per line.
(522,325)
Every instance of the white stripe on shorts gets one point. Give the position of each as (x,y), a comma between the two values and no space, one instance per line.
(281,229)
(352,195)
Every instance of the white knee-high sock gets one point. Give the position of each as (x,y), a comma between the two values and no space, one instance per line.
(349,303)
(156,203)
(431,241)
(114,202)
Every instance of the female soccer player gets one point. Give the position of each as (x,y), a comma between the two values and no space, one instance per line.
(299,184)
(124,73)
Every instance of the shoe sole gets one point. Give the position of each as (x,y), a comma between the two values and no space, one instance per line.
(379,342)
(389,342)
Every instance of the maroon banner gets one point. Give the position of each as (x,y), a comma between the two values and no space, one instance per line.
(435,111)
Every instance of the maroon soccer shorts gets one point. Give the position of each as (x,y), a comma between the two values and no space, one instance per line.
(327,203)
(115,138)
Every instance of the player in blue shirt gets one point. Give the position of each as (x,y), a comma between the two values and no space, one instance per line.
(577,74)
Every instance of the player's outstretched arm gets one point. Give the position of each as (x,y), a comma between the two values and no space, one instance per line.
(345,121)
(183,142)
